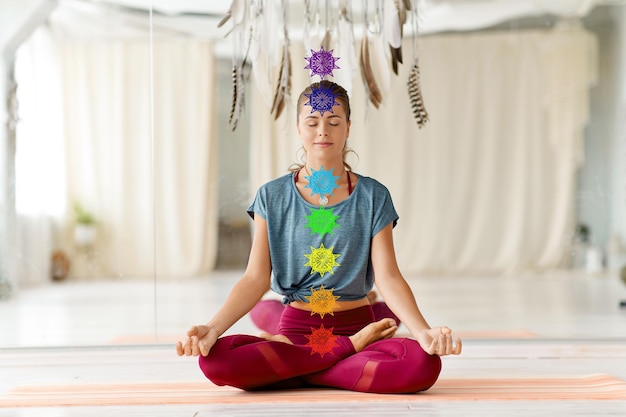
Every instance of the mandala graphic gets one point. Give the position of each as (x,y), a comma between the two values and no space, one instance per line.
(322,301)
(322,221)
(322,260)
(321,99)
(322,182)
(321,63)
(322,341)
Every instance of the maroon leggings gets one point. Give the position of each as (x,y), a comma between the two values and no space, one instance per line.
(322,355)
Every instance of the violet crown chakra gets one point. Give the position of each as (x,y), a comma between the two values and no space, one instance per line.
(322,63)
(322,98)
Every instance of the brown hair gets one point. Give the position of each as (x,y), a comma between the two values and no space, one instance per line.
(341,95)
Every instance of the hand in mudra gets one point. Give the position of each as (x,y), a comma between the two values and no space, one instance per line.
(199,341)
(438,341)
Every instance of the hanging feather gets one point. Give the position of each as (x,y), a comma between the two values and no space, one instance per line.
(396,57)
(380,64)
(236,11)
(232,121)
(401,10)
(238,98)
(367,74)
(392,27)
(259,59)
(396,18)
(283,88)
(346,49)
(237,14)
(326,41)
(415,96)
(224,19)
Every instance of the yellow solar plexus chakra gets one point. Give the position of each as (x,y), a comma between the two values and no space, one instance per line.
(322,260)
(322,301)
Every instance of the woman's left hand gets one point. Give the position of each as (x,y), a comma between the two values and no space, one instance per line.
(438,341)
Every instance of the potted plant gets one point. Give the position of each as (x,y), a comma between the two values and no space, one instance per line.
(85,226)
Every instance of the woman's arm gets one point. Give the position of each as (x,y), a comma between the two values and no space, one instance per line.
(254,283)
(400,299)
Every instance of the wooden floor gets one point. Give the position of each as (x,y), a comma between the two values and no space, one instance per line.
(548,325)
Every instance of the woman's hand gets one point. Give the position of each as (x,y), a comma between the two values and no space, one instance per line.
(438,341)
(199,341)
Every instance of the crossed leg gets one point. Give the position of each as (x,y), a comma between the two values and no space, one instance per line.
(395,365)
(250,362)
(368,361)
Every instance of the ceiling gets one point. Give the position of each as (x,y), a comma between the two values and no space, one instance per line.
(199,18)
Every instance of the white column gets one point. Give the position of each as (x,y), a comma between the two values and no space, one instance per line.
(17,21)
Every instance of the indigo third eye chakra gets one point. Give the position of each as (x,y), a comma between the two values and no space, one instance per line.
(321,99)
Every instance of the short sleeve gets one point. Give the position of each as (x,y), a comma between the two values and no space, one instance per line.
(384,211)
(259,204)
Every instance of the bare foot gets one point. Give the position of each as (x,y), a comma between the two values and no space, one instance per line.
(382,329)
(275,338)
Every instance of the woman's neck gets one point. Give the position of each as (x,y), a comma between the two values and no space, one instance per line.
(336,168)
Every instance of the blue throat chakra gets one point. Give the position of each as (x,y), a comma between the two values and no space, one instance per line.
(322,63)
(322,182)
(321,99)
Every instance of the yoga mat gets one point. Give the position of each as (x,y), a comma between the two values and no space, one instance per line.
(589,387)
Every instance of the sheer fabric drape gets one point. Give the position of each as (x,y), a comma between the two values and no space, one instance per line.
(155,202)
(153,199)
(488,185)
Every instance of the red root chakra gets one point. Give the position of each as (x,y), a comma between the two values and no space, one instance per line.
(322,340)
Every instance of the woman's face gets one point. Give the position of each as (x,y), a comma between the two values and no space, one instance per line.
(323,136)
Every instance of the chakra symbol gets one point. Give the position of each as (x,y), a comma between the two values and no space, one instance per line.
(321,63)
(321,99)
(322,341)
(322,301)
(322,260)
(322,182)
(322,221)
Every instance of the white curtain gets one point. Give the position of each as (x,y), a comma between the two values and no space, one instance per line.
(86,138)
(488,185)
(155,201)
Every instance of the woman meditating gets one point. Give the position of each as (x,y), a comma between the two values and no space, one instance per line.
(323,236)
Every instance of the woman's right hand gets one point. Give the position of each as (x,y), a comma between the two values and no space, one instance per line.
(199,341)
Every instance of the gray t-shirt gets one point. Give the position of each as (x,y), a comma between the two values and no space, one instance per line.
(312,246)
